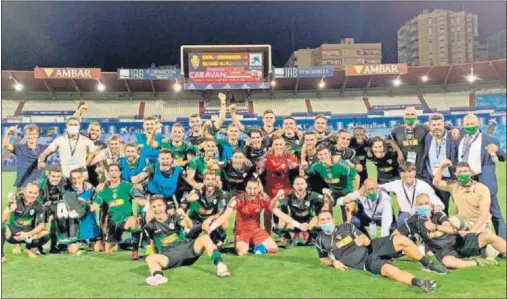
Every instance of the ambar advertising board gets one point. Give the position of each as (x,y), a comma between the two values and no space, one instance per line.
(376,69)
(67,73)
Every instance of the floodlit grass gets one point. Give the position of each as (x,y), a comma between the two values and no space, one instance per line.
(290,274)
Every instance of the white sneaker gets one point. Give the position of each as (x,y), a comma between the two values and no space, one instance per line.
(222,270)
(156,280)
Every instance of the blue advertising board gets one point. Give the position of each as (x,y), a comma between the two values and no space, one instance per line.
(230,86)
(308,72)
(148,74)
(47,112)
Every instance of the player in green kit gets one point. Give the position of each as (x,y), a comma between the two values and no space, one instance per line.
(340,176)
(204,206)
(172,249)
(201,164)
(182,151)
(118,197)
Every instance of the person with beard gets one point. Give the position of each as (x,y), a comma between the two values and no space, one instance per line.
(303,206)
(23,221)
(345,246)
(202,163)
(308,156)
(26,154)
(360,143)
(94,131)
(204,206)
(267,129)
(160,178)
(472,200)
(118,197)
(226,146)
(89,230)
(342,152)
(409,140)
(182,151)
(247,207)
(172,250)
(439,146)
(290,134)
(256,145)
(236,172)
(73,148)
(109,155)
(373,208)
(131,164)
(51,189)
(384,157)
(150,153)
(277,163)
(448,244)
(323,135)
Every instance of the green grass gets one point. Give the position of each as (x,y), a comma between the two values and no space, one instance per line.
(290,274)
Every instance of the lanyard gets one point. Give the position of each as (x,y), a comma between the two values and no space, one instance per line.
(411,202)
(410,133)
(73,150)
(464,148)
(438,147)
(376,206)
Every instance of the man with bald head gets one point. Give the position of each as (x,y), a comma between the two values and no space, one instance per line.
(410,140)
(373,208)
(478,149)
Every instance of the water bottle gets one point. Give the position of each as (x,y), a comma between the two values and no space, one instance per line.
(494,157)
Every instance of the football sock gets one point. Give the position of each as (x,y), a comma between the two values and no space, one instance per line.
(154,273)
(416,282)
(216,257)
(425,262)
(135,240)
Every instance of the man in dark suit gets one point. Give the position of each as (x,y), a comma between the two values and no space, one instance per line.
(481,151)
(439,146)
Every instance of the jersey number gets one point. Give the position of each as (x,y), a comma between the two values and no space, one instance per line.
(63,213)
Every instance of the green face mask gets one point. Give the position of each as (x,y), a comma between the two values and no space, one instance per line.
(409,120)
(471,130)
(371,195)
(464,179)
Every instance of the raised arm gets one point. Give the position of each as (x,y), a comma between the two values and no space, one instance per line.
(151,137)
(235,118)
(223,111)
(437,179)
(6,145)
(80,112)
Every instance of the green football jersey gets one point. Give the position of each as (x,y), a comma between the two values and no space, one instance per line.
(119,201)
(339,177)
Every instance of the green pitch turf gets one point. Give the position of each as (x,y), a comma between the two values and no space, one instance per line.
(290,274)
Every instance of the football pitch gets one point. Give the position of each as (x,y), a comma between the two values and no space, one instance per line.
(293,273)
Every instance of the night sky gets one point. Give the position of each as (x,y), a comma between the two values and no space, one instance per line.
(111,35)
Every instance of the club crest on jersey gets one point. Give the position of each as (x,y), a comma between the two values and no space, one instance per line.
(32,212)
(307,203)
(390,161)
(171,225)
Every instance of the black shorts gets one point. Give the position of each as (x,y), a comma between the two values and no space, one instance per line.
(114,231)
(180,255)
(467,246)
(14,229)
(374,264)
(195,231)
(383,248)
(146,194)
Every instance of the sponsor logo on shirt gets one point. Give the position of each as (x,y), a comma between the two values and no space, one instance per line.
(116,203)
(169,239)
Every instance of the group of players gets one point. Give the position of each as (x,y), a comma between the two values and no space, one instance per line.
(176,195)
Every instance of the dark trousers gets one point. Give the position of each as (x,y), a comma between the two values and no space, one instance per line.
(496,212)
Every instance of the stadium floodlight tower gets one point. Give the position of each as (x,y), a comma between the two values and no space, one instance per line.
(18,86)
(226,67)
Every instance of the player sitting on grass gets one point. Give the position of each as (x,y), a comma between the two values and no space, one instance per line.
(118,196)
(302,205)
(345,246)
(448,244)
(248,207)
(23,221)
(172,249)
(204,206)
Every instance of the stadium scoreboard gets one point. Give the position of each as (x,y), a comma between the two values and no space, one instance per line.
(226,67)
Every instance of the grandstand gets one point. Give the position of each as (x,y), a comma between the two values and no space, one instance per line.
(443,101)
(347,105)
(9,107)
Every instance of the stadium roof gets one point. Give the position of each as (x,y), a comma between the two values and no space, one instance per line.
(437,75)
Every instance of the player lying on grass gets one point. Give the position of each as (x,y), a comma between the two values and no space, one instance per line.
(23,221)
(118,196)
(303,206)
(172,249)
(448,244)
(345,246)
(204,206)
(248,207)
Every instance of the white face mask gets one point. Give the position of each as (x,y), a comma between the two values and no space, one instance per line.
(73,130)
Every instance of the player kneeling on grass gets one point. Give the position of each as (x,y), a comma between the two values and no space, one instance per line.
(204,206)
(172,249)
(23,221)
(449,245)
(345,246)
(302,205)
(248,207)
(118,197)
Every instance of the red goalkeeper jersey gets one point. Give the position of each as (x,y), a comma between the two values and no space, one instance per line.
(248,211)
(277,173)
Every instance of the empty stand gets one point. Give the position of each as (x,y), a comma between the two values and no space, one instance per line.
(377,100)
(444,101)
(9,107)
(112,108)
(281,106)
(52,105)
(171,109)
(348,105)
